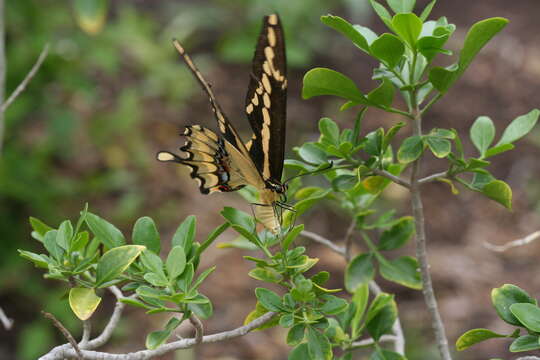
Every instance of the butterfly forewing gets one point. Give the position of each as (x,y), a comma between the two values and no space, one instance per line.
(266,100)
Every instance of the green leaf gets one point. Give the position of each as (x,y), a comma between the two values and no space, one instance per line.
(145,233)
(91,15)
(202,310)
(496,150)
(158,338)
(116,261)
(427,10)
(397,235)
(296,334)
(381,316)
(477,37)
(202,277)
(525,343)
(176,262)
(64,234)
(360,300)
(389,49)
(383,95)
(310,153)
(152,262)
(381,11)
(527,314)
(49,241)
(439,147)
(185,234)
(269,299)
(401,6)
(403,270)
(291,236)
(408,27)
(300,352)
(344,182)
(519,127)
(83,302)
(106,232)
(265,274)
(358,272)
(482,134)
(318,345)
(344,27)
(390,135)
(258,312)
(322,81)
(237,217)
(40,228)
(39,261)
(430,46)
(329,131)
(383,354)
(333,305)
(411,149)
(475,336)
(499,191)
(506,295)
(213,236)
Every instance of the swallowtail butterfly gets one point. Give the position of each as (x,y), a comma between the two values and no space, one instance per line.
(222,161)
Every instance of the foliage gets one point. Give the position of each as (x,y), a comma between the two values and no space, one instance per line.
(515,307)
(94,254)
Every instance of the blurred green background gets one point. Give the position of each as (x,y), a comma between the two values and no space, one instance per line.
(112,92)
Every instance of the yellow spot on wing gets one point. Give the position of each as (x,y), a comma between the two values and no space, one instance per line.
(266,68)
(255,100)
(266,84)
(165,156)
(259,90)
(249,108)
(266,100)
(271,36)
(272,19)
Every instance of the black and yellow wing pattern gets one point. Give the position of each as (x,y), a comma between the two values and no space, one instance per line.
(221,161)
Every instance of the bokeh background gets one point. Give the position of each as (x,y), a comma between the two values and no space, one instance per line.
(112,92)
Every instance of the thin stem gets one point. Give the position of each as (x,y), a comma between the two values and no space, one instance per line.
(519,242)
(86,333)
(421,251)
(397,111)
(433,177)
(7,322)
(63,351)
(392,177)
(321,240)
(348,239)
(199,329)
(431,103)
(64,332)
(20,88)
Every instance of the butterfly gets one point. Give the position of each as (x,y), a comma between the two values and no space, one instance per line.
(222,162)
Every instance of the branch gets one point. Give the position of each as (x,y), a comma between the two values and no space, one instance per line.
(66,352)
(7,322)
(519,242)
(199,329)
(64,332)
(27,79)
(421,248)
(86,333)
(433,177)
(348,239)
(321,240)
(392,177)
(370,341)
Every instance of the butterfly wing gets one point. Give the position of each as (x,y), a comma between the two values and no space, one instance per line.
(215,163)
(266,100)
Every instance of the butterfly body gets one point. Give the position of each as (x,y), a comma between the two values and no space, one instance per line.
(222,162)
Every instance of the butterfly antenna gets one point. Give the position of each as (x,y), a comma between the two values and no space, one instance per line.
(200,78)
(324,169)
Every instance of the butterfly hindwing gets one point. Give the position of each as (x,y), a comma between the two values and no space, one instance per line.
(266,100)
